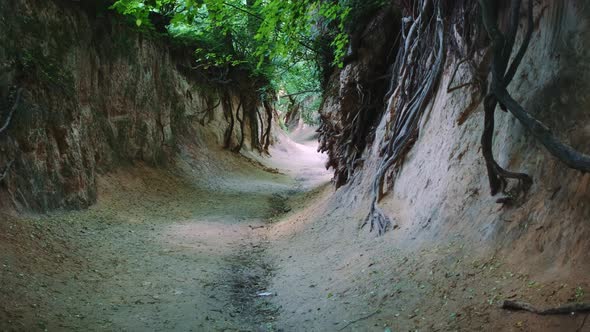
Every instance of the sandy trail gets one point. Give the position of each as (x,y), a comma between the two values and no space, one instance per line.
(189,248)
(161,251)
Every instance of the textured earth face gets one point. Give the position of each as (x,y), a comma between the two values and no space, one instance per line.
(96,95)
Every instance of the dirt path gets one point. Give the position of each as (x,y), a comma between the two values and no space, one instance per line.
(189,249)
(162,251)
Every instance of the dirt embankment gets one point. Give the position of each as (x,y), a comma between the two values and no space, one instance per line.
(95,95)
(453,252)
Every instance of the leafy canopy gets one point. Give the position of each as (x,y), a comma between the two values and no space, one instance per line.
(274,39)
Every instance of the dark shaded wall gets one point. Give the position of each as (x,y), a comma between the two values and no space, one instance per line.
(95,95)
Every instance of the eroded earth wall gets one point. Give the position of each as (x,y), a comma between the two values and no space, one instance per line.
(441,192)
(95,94)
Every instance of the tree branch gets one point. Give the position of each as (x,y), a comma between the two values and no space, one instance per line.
(565,153)
(244,11)
(300,93)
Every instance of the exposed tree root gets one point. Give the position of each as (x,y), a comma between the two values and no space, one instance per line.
(345,134)
(229,116)
(17,101)
(498,176)
(11,111)
(260,134)
(565,309)
(414,76)
(421,59)
(564,152)
(208,113)
(450,87)
(359,319)
(502,74)
(244,120)
(254,125)
(6,170)
(241,121)
(267,133)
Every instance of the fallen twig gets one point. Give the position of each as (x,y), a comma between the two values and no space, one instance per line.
(359,319)
(564,309)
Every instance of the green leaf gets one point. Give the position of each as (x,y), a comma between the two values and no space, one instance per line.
(272,39)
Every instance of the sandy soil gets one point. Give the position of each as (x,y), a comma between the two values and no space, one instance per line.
(333,276)
(163,250)
(190,249)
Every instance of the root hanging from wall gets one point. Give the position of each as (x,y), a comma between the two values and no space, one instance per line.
(229,116)
(8,119)
(241,122)
(254,125)
(249,120)
(416,74)
(348,121)
(431,31)
(503,71)
(267,133)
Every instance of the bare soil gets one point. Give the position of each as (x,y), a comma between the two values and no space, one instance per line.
(225,243)
(163,250)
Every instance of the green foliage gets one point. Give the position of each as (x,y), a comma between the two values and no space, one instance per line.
(359,11)
(339,14)
(238,32)
(300,85)
(271,39)
(140,9)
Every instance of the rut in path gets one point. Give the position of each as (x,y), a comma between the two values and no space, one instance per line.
(163,250)
(175,258)
(200,273)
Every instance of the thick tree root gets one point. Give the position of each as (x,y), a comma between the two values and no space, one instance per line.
(502,74)
(246,116)
(360,319)
(417,70)
(11,111)
(565,309)
(378,220)
(565,153)
(17,100)
(229,116)
(502,49)
(241,121)
(6,170)
(266,136)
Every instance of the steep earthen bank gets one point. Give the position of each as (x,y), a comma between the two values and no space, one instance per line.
(441,188)
(452,252)
(96,94)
